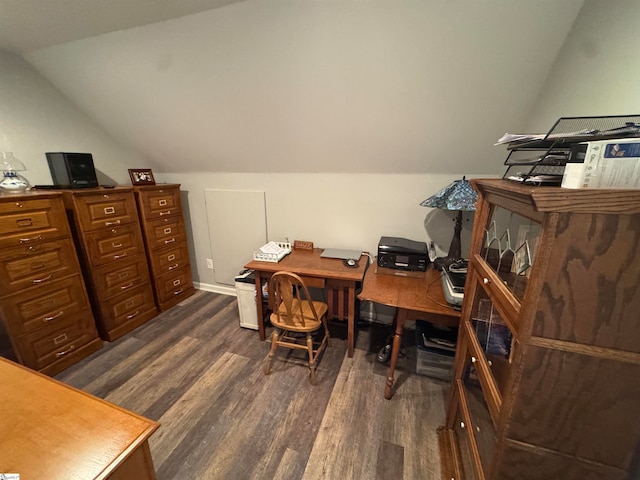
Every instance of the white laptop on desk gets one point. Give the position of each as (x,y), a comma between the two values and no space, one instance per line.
(338,253)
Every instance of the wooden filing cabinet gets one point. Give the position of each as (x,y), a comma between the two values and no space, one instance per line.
(165,236)
(548,357)
(46,321)
(107,232)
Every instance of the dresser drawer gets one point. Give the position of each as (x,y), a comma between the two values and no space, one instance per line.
(54,342)
(127,307)
(118,277)
(26,222)
(39,264)
(173,284)
(105,210)
(116,243)
(43,305)
(171,258)
(165,231)
(162,202)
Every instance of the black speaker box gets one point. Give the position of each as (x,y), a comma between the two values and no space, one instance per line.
(72,170)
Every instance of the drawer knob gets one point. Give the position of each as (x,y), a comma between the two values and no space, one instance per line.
(168,212)
(172,240)
(474,359)
(108,224)
(486,281)
(462,425)
(178,292)
(489,362)
(128,285)
(134,314)
(116,257)
(172,267)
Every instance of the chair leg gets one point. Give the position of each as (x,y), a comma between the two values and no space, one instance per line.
(272,350)
(312,360)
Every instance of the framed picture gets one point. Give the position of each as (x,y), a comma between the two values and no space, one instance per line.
(141,176)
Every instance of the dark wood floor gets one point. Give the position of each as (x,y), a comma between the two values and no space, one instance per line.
(194,370)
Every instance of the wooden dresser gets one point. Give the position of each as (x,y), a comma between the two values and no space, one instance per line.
(547,373)
(46,321)
(50,430)
(107,231)
(165,236)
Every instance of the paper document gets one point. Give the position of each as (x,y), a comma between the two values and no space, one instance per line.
(607,164)
(512,137)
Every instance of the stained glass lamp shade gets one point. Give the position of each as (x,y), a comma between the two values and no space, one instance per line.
(458,196)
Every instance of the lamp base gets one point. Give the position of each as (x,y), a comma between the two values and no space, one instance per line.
(14,183)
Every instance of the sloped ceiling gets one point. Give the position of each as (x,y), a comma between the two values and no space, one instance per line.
(381,86)
(27,25)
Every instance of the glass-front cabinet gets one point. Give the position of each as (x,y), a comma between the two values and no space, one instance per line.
(534,256)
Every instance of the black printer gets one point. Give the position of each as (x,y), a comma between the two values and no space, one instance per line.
(402,254)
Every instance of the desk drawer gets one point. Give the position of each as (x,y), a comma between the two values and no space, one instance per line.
(127,307)
(169,259)
(173,284)
(39,306)
(26,222)
(160,202)
(110,244)
(38,264)
(313,282)
(53,342)
(105,210)
(165,231)
(118,277)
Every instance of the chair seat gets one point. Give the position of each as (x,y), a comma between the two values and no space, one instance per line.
(310,323)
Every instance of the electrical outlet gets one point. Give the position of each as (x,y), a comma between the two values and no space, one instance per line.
(210,263)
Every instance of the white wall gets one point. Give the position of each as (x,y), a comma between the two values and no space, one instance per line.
(332,210)
(597,70)
(319,86)
(36,118)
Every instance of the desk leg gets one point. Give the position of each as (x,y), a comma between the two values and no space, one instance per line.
(259,311)
(400,320)
(351,319)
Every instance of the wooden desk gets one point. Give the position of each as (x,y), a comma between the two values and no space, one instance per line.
(50,430)
(328,273)
(414,298)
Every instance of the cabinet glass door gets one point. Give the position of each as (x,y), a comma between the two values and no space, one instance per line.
(494,337)
(481,426)
(509,246)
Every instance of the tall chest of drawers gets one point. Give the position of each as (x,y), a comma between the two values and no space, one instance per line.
(165,237)
(46,321)
(107,231)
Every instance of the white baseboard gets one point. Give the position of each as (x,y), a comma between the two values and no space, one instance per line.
(222,289)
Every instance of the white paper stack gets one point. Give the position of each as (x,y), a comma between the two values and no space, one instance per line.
(612,164)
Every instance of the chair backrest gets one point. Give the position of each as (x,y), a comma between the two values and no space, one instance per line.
(291,299)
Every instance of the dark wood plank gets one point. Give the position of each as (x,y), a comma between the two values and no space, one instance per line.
(200,375)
